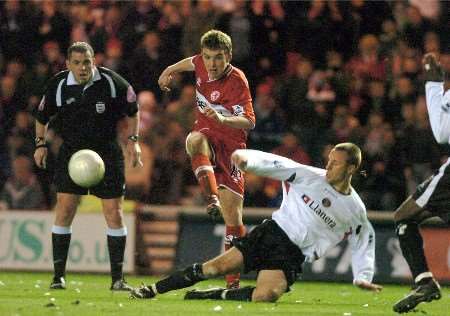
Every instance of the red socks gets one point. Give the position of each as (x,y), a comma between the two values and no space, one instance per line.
(204,173)
(230,233)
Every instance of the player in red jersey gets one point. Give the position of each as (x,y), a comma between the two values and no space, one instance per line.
(224,115)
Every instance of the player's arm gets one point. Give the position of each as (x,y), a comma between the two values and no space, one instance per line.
(362,243)
(133,148)
(240,122)
(243,116)
(438,103)
(268,165)
(42,114)
(181,66)
(131,110)
(40,154)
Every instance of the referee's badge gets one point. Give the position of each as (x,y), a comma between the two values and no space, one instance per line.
(100,107)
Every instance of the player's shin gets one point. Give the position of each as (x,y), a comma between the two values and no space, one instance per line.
(411,243)
(60,241)
(230,233)
(180,279)
(204,172)
(116,246)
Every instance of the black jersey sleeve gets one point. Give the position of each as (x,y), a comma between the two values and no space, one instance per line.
(47,106)
(126,96)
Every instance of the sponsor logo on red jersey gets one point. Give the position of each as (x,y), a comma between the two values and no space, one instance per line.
(215,95)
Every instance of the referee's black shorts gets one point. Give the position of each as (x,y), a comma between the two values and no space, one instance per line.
(434,193)
(267,247)
(112,185)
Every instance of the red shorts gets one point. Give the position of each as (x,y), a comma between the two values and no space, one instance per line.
(227,174)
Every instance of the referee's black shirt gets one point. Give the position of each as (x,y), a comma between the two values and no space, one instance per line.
(86,116)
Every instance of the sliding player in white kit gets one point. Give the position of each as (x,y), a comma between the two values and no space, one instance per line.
(319,209)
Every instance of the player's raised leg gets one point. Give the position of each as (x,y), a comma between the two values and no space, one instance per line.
(232,204)
(65,209)
(198,149)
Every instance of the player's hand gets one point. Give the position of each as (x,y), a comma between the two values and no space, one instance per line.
(213,114)
(40,157)
(164,80)
(364,285)
(433,70)
(134,153)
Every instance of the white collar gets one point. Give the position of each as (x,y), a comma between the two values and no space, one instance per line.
(95,77)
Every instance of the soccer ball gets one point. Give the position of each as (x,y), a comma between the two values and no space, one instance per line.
(86,168)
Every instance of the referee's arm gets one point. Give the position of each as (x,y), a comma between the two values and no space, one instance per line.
(133,148)
(42,114)
(40,154)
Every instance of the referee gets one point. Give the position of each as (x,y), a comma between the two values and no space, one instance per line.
(84,104)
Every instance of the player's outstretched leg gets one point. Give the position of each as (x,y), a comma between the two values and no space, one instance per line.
(425,292)
(178,280)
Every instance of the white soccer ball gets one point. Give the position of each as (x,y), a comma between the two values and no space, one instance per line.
(86,168)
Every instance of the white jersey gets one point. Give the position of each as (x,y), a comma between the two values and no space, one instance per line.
(314,215)
(438,104)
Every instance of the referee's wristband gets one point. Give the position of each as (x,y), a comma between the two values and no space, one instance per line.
(41,145)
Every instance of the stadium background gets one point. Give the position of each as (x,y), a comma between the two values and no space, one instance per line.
(320,73)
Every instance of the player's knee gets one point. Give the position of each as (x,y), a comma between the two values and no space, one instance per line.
(194,142)
(266,295)
(212,270)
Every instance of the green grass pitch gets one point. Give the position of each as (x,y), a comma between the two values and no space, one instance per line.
(28,294)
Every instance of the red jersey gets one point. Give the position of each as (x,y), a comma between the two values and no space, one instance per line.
(228,95)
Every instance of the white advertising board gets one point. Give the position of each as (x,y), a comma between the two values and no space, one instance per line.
(25,242)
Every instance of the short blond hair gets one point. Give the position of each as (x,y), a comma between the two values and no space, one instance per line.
(353,153)
(216,40)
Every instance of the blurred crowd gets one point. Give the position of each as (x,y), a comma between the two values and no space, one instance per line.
(320,72)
